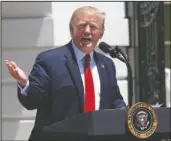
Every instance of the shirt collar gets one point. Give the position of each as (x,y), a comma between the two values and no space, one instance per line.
(79,54)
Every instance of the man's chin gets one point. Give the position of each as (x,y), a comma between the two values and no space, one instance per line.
(88,49)
(88,45)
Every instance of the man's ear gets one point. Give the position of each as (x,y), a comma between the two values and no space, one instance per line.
(71,28)
(101,34)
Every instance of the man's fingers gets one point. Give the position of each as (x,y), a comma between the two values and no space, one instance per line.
(9,66)
(14,65)
(11,70)
(6,61)
(17,74)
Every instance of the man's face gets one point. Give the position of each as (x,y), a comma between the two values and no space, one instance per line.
(86,31)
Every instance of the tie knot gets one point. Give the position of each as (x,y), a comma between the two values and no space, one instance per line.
(87,59)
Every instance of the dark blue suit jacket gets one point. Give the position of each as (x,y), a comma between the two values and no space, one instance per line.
(56,88)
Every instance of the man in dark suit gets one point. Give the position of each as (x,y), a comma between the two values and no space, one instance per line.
(72,79)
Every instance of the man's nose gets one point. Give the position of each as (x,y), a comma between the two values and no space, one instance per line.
(87,28)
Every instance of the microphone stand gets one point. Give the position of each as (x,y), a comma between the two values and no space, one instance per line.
(119,54)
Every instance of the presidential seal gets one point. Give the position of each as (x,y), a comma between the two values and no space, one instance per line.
(142,120)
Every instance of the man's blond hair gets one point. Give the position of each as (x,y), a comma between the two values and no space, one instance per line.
(89,10)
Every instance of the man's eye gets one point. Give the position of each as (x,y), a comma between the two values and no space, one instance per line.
(93,27)
(82,25)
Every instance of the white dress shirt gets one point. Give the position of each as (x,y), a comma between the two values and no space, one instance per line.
(80,60)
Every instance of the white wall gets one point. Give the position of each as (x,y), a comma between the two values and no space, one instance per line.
(116,26)
(27,29)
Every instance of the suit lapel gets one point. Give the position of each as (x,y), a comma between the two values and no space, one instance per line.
(103,78)
(74,71)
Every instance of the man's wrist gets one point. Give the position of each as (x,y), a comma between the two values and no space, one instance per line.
(24,89)
(22,83)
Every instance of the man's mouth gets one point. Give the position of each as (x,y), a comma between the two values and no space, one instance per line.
(86,40)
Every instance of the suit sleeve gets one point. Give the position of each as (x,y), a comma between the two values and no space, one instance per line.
(39,86)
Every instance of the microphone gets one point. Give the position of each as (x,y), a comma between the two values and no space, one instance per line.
(114,52)
(119,54)
(105,47)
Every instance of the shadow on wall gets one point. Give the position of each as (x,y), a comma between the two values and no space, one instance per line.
(22,33)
